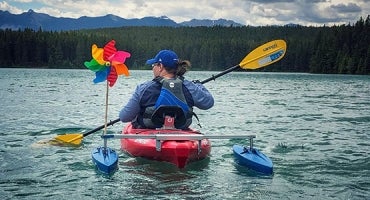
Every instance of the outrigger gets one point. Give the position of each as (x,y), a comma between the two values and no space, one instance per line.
(168,145)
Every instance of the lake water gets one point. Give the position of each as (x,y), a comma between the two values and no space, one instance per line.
(315,129)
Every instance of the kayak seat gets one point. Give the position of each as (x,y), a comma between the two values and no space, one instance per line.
(176,112)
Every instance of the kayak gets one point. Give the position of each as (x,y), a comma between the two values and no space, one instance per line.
(177,152)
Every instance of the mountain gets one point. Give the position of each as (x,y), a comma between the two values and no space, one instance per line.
(208,22)
(34,20)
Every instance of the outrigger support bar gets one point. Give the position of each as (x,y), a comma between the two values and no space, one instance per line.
(175,136)
(163,137)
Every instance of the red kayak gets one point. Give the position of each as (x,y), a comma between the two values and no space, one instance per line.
(178,152)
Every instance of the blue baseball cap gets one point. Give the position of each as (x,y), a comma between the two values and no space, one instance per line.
(167,57)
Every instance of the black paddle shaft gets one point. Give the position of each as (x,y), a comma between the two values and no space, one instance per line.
(101,127)
(220,74)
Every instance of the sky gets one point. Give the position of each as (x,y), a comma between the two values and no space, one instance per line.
(246,12)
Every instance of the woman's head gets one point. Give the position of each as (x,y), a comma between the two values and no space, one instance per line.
(167,58)
(169,61)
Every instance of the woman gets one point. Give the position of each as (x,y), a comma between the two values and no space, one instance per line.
(168,88)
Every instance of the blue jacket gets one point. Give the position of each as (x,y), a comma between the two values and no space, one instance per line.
(147,93)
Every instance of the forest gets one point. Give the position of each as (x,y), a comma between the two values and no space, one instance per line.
(340,49)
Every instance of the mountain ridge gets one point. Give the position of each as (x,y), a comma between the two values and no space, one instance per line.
(34,20)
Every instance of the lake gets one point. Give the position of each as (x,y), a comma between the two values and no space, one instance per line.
(315,129)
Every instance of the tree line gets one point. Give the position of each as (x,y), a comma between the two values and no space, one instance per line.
(341,49)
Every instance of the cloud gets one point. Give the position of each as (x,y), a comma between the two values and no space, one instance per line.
(248,12)
(333,13)
(6,6)
(349,8)
(272,1)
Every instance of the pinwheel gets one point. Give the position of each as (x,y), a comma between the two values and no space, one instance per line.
(108,63)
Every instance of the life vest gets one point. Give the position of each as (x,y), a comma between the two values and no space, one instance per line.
(171,101)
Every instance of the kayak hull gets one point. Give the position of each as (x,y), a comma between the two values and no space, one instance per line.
(179,153)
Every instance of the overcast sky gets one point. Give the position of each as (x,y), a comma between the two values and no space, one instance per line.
(246,12)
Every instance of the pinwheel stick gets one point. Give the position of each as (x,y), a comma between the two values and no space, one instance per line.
(106,114)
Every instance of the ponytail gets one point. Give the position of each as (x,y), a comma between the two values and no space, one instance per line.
(182,67)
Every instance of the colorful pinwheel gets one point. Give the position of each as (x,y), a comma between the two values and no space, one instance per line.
(108,63)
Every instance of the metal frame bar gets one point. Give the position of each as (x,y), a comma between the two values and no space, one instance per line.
(163,137)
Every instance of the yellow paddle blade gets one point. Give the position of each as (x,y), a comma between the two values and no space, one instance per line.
(74,139)
(264,55)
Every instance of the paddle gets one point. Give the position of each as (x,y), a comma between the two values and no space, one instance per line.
(263,55)
(75,138)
